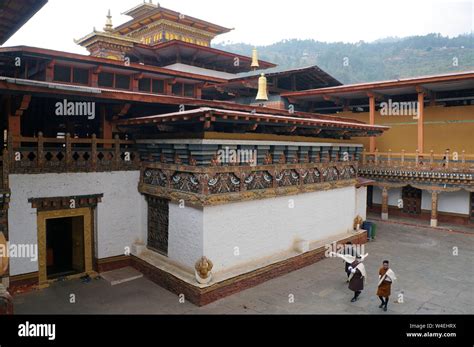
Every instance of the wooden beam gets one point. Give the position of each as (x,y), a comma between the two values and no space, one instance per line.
(377,96)
(123,111)
(24,105)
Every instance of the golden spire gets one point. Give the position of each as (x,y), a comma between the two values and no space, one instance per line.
(255,65)
(262,89)
(108,23)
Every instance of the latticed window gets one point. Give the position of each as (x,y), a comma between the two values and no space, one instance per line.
(158,221)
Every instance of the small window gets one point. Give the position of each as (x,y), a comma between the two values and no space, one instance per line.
(62,73)
(106,79)
(122,82)
(158,86)
(81,76)
(189,90)
(177,89)
(144,84)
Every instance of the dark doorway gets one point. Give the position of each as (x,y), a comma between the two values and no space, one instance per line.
(411,200)
(158,219)
(370,196)
(65,246)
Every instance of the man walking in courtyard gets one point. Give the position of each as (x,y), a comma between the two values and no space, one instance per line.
(350,250)
(357,277)
(386,278)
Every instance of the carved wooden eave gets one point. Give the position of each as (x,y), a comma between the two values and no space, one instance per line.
(217,185)
(66,202)
(99,36)
(278,123)
(401,177)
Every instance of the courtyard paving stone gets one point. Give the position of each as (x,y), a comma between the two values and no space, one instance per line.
(431,278)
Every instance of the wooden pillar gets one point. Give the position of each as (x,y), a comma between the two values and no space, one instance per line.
(106,126)
(94,76)
(421,111)
(384,203)
(434,208)
(50,71)
(198,91)
(135,81)
(372,122)
(14,122)
(168,86)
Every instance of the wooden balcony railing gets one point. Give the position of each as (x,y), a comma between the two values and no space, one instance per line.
(56,155)
(444,162)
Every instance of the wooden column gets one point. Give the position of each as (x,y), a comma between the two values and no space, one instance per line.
(135,81)
(421,111)
(94,76)
(50,71)
(434,208)
(106,126)
(198,91)
(384,203)
(168,86)
(372,145)
(14,122)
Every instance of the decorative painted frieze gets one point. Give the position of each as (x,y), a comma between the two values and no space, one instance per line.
(217,185)
(418,176)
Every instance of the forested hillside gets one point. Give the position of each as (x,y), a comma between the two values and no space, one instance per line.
(389,58)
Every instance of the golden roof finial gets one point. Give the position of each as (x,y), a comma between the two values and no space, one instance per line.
(108,23)
(255,65)
(262,94)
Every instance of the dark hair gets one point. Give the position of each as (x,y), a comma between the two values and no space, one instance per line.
(386,262)
(348,243)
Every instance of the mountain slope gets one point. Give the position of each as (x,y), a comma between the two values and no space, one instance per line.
(384,59)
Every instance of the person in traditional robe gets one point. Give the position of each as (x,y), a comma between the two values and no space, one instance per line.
(357,277)
(351,251)
(386,278)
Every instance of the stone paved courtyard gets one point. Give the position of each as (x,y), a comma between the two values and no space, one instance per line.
(431,279)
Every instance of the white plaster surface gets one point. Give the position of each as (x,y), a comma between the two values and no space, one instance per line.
(243,232)
(451,202)
(361,202)
(185,235)
(120,217)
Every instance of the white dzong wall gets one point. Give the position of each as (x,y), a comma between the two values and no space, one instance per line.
(120,217)
(239,233)
(185,234)
(361,202)
(449,202)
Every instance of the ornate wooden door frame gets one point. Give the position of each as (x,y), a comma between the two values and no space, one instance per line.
(42,217)
(412,200)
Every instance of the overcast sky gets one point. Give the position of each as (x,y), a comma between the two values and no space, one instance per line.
(260,22)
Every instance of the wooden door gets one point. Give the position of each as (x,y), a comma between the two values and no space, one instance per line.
(411,200)
(78,244)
